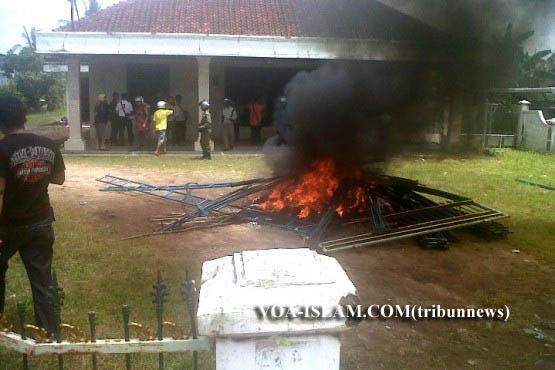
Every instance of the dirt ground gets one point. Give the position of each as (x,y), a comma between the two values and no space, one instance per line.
(471,273)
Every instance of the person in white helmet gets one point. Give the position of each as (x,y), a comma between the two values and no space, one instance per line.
(160,119)
(205,129)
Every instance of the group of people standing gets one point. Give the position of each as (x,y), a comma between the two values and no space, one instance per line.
(121,122)
(255,110)
(119,119)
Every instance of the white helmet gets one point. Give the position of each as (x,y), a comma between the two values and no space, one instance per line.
(139,99)
(161,104)
(204,105)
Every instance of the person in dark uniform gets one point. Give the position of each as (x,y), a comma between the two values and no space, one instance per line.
(205,129)
(115,121)
(28,165)
(101,116)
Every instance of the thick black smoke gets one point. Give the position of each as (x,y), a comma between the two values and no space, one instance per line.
(367,111)
(343,111)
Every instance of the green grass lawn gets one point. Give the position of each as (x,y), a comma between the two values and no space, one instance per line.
(492,181)
(98,271)
(46,117)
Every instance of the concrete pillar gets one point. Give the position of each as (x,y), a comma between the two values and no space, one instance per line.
(92,99)
(73,99)
(203,67)
(524,105)
(234,286)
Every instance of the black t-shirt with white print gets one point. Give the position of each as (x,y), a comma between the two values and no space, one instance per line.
(27,162)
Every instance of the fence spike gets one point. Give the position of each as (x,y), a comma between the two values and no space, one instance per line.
(160,294)
(56,298)
(92,325)
(126,312)
(189,295)
(22,329)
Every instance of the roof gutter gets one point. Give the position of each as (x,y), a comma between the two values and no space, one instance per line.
(164,44)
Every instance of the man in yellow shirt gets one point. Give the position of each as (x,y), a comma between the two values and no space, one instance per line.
(160,120)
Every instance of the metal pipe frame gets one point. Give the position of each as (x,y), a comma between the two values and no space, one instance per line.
(417,230)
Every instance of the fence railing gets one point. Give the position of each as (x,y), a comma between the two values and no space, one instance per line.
(30,340)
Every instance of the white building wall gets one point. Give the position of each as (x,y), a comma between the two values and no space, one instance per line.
(105,78)
(183,81)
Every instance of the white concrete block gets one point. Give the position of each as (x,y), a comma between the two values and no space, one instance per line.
(233,286)
(74,145)
(304,352)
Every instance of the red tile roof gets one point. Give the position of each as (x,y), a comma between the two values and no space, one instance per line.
(310,18)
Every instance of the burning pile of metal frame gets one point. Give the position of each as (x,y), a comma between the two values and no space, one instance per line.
(395,209)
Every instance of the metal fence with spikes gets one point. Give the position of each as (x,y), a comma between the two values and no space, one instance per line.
(68,339)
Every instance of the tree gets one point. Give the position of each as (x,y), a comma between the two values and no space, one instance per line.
(538,70)
(30,37)
(93,7)
(23,66)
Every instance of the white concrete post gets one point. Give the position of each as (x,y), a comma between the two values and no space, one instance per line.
(203,64)
(73,100)
(233,286)
(524,105)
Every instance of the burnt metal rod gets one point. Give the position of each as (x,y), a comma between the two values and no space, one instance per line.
(419,211)
(320,228)
(469,208)
(414,227)
(220,202)
(334,245)
(129,185)
(533,183)
(386,238)
(403,229)
(411,213)
(433,240)
(438,193)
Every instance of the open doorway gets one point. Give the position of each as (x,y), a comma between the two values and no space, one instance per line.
(245,84)
(151,81)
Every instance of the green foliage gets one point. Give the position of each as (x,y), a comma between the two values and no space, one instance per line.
(26,60)
(538,70)
(36,86)
(24,68)
(9,89)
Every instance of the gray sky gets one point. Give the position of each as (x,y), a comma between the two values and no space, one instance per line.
(41,14)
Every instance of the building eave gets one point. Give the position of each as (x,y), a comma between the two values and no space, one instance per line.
(160,44)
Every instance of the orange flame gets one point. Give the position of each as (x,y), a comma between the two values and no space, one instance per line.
(313,191)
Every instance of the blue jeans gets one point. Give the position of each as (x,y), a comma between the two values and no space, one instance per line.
(34,244)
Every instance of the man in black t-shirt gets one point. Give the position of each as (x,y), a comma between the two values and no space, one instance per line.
(28,164)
